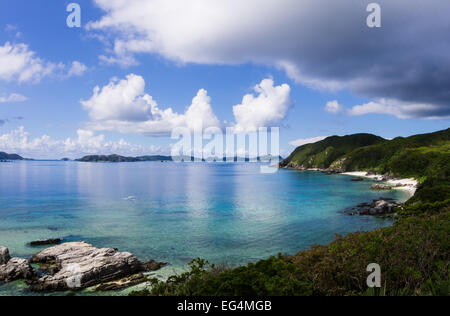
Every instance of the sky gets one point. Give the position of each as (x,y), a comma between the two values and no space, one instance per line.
(137,69)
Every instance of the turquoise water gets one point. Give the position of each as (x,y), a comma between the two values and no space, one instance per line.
(222,212)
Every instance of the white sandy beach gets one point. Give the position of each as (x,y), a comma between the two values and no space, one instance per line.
(408,185)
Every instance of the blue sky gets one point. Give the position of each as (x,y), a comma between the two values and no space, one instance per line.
(175,65)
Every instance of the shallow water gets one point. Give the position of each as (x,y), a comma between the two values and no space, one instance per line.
(226,213)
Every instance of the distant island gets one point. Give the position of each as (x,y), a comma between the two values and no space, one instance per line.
(118,158)
(7,157)
(4,157)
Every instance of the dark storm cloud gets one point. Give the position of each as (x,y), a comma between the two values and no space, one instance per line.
(324,44)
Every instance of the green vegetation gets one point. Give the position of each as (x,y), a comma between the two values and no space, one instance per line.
(324,153)
(424,157)
(414,255)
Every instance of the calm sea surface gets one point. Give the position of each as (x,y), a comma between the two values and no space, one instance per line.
(176,212)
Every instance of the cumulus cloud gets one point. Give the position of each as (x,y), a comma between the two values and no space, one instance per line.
(19,63)
(19,141)
(123,106)
(304,141)
(13,97)
(322,44)
(267,109)
(122,100)
(333,107)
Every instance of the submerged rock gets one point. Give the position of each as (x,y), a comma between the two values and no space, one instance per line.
(46,242)
(80,265)
(121,284)
(16,269)
(153,265)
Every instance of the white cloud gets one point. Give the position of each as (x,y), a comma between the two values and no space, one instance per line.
(343,53)
(122,100)
(77,69)
(394,107)
(304,141)
(19,63)
(123,106)
(44,147)
(267,109)
(13,97)
(333,107)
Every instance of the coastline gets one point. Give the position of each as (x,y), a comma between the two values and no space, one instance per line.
(407,185)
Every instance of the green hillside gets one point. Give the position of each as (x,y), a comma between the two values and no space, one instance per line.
(424,157)
(322,154)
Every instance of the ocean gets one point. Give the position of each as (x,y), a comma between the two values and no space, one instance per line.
(175,212)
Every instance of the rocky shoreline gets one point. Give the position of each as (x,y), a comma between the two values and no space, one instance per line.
(391,183)
(378,207)
(76,266)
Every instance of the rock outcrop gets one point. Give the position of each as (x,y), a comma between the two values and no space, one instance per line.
(76,265)
(79,265)
(381,187)
(376,208)
(15,268)
(379,207)
(4,255)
